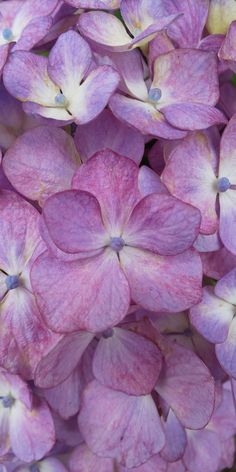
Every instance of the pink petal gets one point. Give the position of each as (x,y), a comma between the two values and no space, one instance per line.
(95,4)
(84,297)
(120,426)
(59,363)
(113,180)
(193,116)
(106,131)
(187,386)
(127,362)
(143,116)
(71,227)
(38,172)
(84,460)
(68,62)
(212,316)
(32,432)
(163,225)
(162,283)
(24,337)
(190,175)
(155,464)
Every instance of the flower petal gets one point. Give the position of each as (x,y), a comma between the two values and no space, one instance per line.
(120,426)
(74,221)
(226,351)
(163,283)
(193,116)
(107,132)
(190,175)
(85,297)
(212,316)
(127,362)
(38,172)
(25,77)
(113,180)
(60,361)
(94,93)
(68,62)
(163,225)
(143,116)
(187,386)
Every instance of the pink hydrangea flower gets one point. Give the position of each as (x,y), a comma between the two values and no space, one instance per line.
(123,241)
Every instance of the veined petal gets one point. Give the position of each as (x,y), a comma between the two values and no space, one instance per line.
(212,316)
(120,426)
(107,132)
(193,116)
(113,180)
(190,175)
(162,224)
(93,95)
(84,297)
(68,62)
(74,221)
(163,283)
(143,116)
(39,171)
(127,362)
(26,78)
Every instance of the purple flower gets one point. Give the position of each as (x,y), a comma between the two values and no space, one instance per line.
(62,86)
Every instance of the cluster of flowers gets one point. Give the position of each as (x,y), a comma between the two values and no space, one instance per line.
(117,280)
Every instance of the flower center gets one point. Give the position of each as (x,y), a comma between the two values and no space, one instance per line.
(60,99)
(108,333)
(7,401)
(117,243)
(154,94)
(34,468)
(12,281)
(7,34)
(223,184)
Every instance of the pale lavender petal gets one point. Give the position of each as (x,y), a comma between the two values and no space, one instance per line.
(212,316)
(150,182)
(25,77)
(94,93)
(217,264)
(203,451)
(68,62)
(226,351)
(226,287)
(176,439)
(83,459)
